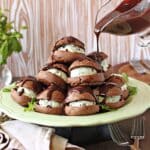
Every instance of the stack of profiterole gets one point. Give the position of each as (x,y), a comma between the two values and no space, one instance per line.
(72,83)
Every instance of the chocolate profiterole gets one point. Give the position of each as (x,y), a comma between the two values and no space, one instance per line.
(101,58)
(50,101)
(66,50)
(117,80)
(26,89)
(53,73)
(110,95)
(80,101)
(85,72)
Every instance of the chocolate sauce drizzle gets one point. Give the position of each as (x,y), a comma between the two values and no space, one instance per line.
(21,92)
(28,78)
(24,80)
(97,34)
(46,67)
(81,89)
(53,88)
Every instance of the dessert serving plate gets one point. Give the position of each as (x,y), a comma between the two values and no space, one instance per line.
(136,105)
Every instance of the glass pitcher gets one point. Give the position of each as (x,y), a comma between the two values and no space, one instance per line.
(129,17)
(5,76)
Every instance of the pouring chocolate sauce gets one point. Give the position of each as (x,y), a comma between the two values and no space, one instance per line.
(131,16)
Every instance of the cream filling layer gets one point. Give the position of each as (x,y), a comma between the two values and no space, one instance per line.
(82,71)
(51,103)
(58,73)
(100,99)
(104,65)
(124,87)
(27,92)
(81,103)
(72,48)
(113,99)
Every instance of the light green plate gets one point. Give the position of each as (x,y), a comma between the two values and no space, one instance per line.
(138,104)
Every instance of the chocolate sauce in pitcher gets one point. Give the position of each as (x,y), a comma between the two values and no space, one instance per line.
(131,16)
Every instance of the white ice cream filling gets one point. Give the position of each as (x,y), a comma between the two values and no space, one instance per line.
(124,87)
(104,65)
(27,92)
(72,48)
(100,99)
(115,74)
(113,99)
(82,71)
(81,103)
(58,73)
(51,103)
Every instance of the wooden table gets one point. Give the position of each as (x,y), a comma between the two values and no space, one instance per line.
(126,125)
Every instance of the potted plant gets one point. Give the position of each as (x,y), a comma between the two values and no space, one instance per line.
(9,43)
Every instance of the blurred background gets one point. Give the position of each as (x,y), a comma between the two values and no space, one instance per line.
(49,20)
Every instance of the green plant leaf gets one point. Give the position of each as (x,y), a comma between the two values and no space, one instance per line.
(3,21)
(31,105)
(17,35)
(105,107)
(9,26)
(132,90)
(9,39)
(14,45)
(7,10)
(24,27)
(9,87)
(125,77)
(3,53)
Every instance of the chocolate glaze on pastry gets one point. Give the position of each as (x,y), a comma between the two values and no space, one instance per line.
(109,72)
(80,101)
(50,101)
(67,50)
(85,72)
(58,66)
(119,81)
(20,99)
(110,95)
(101,59)
(79,92)
(97,56)
(109,90)
(53,74)
(68,40)
(25,90)
(85,62)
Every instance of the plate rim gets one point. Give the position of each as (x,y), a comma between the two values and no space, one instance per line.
(71,124)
